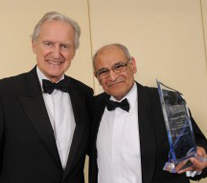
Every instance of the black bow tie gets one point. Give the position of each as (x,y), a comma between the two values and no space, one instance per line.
(112,105)
(48,86)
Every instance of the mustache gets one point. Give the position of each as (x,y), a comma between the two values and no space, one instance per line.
(112,83)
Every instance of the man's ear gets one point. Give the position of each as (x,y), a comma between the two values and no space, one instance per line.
(34,46)
(94,73)
(133,64)
(74,52)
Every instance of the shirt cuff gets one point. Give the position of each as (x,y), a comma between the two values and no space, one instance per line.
(193,173)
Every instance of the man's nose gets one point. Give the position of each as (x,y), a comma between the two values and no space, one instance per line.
(56,51)
(112,75)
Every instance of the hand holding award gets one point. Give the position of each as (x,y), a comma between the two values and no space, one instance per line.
(179,131)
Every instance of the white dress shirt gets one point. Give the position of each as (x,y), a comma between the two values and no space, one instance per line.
(118,144)
(59,109)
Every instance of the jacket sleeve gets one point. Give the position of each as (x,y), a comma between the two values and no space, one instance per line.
(1,133)
(199,136)
(202,142)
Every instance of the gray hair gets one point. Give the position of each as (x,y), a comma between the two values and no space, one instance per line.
(55,16)
(122,47)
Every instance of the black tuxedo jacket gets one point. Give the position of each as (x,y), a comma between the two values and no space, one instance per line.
(153,138)
(28,151)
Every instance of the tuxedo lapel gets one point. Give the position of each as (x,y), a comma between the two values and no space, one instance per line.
(99,107)
(98,110)
(79,112)
(147,135)
(34,107)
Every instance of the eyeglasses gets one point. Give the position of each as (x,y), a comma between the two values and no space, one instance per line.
(117,68)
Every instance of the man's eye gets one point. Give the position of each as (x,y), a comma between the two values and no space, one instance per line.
(64,46)
(47,43)
(118,67)
(103,72)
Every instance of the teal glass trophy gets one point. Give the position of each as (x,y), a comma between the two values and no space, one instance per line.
(178,127)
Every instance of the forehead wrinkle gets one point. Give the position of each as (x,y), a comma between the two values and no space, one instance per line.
(106,68)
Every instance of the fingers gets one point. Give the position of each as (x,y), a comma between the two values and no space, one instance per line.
(193,165)
(184,166)
(198,163)
(201,152)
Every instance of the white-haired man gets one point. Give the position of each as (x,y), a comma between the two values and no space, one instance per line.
(44,114)
(129,142)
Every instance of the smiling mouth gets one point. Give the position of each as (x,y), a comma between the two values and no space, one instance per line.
(55,62)
(114,84)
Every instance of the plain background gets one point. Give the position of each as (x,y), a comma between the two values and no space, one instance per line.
(166,37)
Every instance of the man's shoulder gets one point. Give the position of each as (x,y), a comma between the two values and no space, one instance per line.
(13,85)
(19,77)
(101,96)
(12,80)
(78,84)
(18,83)
(150,90)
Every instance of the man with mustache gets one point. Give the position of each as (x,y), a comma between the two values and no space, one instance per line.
(44,114)
(129,142)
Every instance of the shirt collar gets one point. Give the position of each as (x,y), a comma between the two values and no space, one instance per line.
(131,96)
(41,76)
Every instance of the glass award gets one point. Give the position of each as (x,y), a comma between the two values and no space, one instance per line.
(178,126)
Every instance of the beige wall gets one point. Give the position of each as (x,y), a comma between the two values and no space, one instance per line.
(18,19)
(166,37)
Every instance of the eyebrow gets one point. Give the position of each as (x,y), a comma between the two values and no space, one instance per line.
(50,41)
(102,69)
(119,62)
(66,44)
